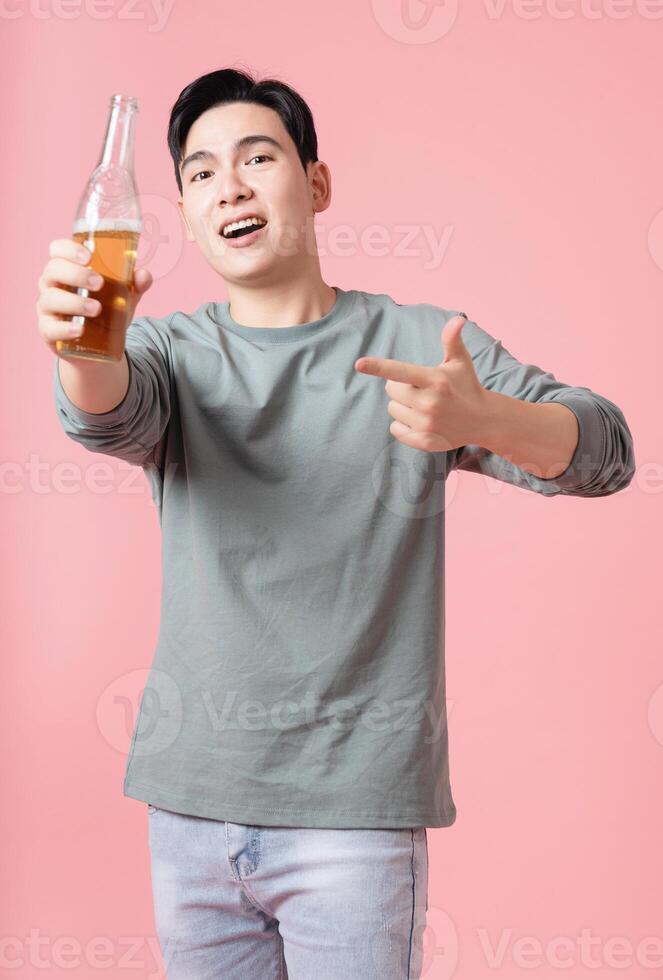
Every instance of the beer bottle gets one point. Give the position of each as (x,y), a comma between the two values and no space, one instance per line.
(108,222)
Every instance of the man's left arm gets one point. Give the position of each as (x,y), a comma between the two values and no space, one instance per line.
(542,433)
(500,417)
(534,436)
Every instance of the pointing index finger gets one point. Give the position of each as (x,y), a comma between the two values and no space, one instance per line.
(385,367)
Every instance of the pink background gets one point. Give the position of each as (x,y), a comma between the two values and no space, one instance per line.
(533,136)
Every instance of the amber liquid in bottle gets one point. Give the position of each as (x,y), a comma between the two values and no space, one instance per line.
(108,223)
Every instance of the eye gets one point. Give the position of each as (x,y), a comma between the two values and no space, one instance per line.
(258,156)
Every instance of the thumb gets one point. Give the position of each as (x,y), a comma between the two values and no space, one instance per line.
(452,341)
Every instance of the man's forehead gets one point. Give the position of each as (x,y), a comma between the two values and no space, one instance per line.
(225,124)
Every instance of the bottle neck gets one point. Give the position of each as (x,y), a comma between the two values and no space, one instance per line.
(118,148)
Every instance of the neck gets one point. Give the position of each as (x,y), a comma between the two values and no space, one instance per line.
(294,301)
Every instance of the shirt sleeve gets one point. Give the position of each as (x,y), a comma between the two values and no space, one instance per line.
(603,462)
(133,429)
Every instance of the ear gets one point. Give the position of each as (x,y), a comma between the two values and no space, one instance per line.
(320,182)
(189,235)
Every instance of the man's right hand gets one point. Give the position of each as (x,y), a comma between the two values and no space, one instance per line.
(68,266)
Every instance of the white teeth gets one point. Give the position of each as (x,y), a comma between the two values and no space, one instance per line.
(242,224)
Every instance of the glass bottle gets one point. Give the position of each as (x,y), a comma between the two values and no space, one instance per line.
(108,222)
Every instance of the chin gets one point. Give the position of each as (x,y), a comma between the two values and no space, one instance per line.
(245,271)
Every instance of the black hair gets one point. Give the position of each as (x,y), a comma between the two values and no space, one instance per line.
(229,85)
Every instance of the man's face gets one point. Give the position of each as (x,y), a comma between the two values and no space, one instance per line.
(257,178)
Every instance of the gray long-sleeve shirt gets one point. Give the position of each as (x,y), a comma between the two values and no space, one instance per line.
(298,678)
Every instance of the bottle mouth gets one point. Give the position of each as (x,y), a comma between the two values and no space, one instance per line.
(128,100)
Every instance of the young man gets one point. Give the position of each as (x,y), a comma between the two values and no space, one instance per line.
(291,742)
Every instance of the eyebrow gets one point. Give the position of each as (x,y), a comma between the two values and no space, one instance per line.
(241,144)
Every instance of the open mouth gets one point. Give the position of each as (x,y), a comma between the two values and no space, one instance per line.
(244,238)
(244,229)
(241,232)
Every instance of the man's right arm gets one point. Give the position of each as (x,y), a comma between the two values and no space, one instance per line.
(94,386)
(120,408)
(122,419)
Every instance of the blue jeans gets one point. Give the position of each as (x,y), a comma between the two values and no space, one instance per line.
(237,902)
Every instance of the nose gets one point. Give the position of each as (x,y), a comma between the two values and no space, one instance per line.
(232,189)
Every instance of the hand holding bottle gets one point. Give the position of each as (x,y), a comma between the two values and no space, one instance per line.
(68,270)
